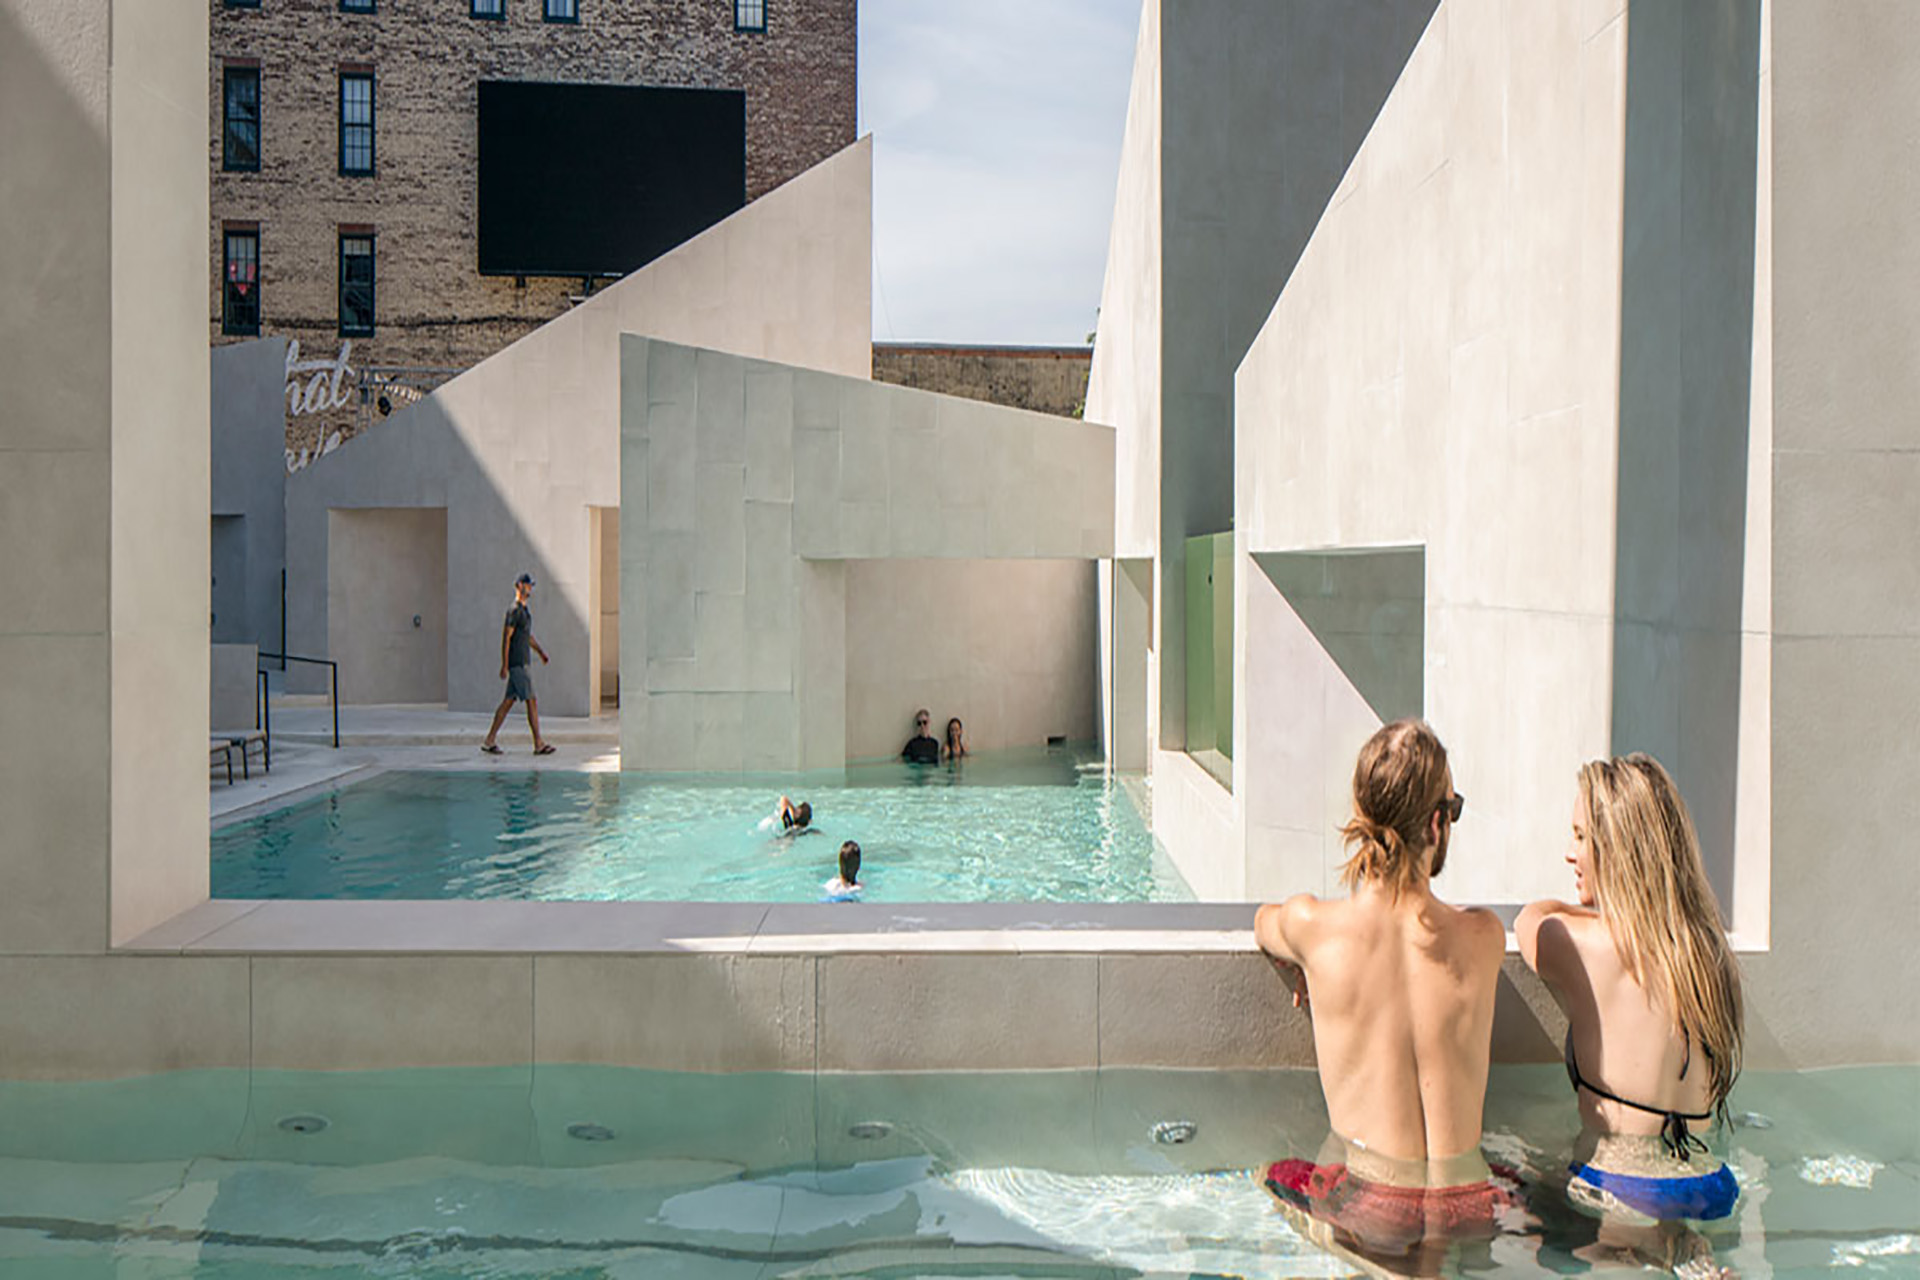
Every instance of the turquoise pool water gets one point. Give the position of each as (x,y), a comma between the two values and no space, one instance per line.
(1027,826)
(750,1177)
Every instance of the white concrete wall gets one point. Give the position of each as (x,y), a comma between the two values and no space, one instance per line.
(519,447)
(250,475)
(386,568)
(1006,645)
(1123,385)
(1442,370)
(744,481)
(103,491)
(1845,555)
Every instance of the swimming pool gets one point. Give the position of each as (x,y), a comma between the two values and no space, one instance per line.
(1018,826)
(1033,1174)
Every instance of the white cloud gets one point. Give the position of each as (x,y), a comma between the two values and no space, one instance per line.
(996,130)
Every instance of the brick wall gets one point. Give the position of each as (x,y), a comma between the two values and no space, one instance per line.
(1044,379)
(428,57)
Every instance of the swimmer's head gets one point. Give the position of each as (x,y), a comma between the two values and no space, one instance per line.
(802,814)
(849,862)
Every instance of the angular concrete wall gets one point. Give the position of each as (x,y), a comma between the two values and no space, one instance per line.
(745,484)
(1524,339)
(1441,371)
(1006,645)
(1244,115)
(250,477)
(518,448)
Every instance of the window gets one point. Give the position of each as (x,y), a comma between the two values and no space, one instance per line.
(240,136)
(749,15)
(243,4)
(356,285)
(240,294)
(356,6)
(356,122)
(495,9)
(563,10)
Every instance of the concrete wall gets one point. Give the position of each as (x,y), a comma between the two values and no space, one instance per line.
(234,695)
(1006,645)
(1243,118)
(518,448)
(744,486)
(1442,371)
(1845,556)
(387,604)
(250,479)
(1123,386)
(103,491)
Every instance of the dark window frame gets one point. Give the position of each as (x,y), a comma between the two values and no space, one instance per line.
(359,6)
(229,324)
(572,17)
(242,4)
(497,14)
(230,74)
(357,235)
(750,6)
(356,74)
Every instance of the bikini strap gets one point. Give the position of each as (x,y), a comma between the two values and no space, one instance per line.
(1674,1135)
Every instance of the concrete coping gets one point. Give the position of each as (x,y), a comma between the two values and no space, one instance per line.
(234,926)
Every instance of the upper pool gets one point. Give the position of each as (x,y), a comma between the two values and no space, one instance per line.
(1018,826)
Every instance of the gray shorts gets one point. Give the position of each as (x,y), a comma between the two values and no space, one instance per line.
(519,685)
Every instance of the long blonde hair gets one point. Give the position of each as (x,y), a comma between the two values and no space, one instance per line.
(1398,783)
(1652,891)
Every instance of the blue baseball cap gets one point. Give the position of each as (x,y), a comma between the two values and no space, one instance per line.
(525,579)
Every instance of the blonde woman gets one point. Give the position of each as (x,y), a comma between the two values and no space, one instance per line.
(1652,994)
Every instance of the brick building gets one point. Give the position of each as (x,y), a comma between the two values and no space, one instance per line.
(344,146)
(1043,379)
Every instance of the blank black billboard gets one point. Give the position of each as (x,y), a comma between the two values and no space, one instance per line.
(595,180)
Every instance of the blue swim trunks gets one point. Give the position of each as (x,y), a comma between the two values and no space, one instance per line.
(1705,1196)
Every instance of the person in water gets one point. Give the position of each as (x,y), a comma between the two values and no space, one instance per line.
(1642,966)
(955,746)
(794,818)
(922,747)
(846,886)
(1402,993)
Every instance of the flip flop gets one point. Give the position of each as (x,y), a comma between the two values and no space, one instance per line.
(490,748)
(544,749)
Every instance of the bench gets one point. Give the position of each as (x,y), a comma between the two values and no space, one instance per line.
(220,749)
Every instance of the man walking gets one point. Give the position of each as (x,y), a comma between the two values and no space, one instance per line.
(1402,992)
(516,638)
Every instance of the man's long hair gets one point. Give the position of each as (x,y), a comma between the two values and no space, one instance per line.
(1399,782)
(1651,888)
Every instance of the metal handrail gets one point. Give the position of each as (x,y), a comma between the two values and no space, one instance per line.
(333,682)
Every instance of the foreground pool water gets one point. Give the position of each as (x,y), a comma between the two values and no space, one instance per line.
(1016,826)
(576,1172)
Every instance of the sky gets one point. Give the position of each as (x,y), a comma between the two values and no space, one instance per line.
(996,144)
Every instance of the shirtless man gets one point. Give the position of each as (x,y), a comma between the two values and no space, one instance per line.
(1402,993)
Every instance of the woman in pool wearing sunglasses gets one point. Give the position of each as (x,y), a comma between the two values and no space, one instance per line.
(1644,971)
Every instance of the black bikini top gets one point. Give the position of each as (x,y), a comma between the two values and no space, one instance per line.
(1679,1143)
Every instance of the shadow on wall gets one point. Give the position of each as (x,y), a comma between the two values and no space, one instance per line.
(1368,611)
(1258,136)
(1686,360)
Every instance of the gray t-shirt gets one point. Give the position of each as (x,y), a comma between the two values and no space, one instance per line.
(520,618)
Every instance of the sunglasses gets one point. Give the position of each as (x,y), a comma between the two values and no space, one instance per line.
(1452,806)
